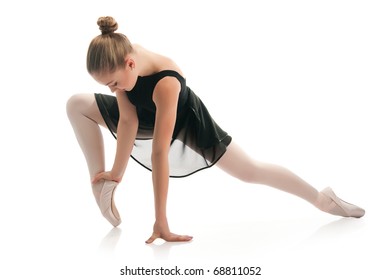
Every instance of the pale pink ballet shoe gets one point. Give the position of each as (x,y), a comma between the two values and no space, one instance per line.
(106,201)
(342,207)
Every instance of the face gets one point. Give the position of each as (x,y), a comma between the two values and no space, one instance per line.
(122,79)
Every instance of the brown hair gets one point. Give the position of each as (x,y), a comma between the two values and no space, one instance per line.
(107,51)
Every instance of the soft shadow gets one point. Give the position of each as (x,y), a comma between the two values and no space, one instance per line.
(162,251)
(109,242)
(337,229)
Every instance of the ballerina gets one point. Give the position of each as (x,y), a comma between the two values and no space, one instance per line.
(163,125)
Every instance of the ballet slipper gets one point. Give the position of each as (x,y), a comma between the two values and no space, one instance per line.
(106,203)
(341,207)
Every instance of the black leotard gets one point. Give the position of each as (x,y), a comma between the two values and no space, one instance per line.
(197,142)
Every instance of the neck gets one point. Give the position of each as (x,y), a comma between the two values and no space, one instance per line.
(145,63)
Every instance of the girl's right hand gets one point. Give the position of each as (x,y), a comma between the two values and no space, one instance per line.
(161,230)
(107,175)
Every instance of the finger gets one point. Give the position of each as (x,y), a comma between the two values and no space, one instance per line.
(97,177)
(179,238)
(151,239)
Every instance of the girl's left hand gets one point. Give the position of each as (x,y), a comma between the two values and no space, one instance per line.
(165,234)
(106,176)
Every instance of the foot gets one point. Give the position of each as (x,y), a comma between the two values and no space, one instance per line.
(330,203)
(103,192)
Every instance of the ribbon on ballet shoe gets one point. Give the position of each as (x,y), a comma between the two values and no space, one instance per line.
(342,208)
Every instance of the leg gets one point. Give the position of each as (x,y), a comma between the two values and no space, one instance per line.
(85,119)
(238,164)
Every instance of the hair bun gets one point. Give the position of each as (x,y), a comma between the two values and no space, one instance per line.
(107,25)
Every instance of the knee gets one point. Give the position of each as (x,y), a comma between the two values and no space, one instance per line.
(254,172)
(75,104)
(248,173)
(249,177)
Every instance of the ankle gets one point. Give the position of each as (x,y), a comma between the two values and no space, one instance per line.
(97,189)
(322,202)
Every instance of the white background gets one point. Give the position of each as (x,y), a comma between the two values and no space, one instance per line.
(294,82)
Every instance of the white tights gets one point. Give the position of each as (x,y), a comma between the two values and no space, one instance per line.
(85,119)
(238,164)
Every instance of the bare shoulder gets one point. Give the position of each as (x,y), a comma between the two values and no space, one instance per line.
(158,61)
(167,91)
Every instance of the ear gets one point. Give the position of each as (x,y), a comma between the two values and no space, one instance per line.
(129,63)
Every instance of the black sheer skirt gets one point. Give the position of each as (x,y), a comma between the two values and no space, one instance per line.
(197,143)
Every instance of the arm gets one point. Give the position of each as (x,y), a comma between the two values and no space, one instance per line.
(126,134)
(165,97)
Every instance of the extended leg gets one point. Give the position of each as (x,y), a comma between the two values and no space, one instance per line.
(85,119)
(238,164)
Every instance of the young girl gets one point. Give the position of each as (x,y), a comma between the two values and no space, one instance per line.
(165,127)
